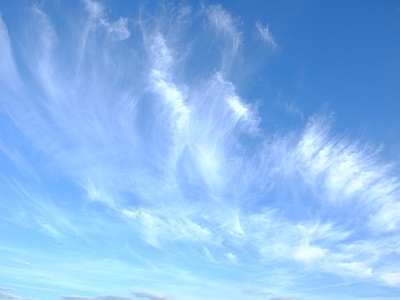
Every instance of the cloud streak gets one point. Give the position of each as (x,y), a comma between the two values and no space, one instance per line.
(266,35)
(152,296)
(4,295)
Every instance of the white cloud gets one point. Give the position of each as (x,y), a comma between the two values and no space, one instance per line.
(176,163)
(8,72)
(308,253)
(95,9)
(226,27)
(76,298)
(164,226)
(109,297)
(238,107)
(43,44)
(293,109)
(232,257)
(4,295)
(266,35)
(391,279)
(257,293)
(224,23)
(388,216)
(162,84)
(208,254)
(347,172)
(356,268)
(119,29)
(24,262)
(152,296)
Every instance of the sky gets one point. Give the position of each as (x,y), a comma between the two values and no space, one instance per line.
(168,150)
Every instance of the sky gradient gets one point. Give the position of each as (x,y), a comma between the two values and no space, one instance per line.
(169,150)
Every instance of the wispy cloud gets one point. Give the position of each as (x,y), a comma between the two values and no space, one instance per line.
(257,293)
(133,158)
(95,9)
(227,28)
(152,296)
(118,29)
(266,35)
(224,23)
(8,72)
(109,297)
(76,298)
(5,295)
(24,262)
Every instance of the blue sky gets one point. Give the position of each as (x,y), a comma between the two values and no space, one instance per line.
(186,151)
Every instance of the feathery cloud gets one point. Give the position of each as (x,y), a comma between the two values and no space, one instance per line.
(266,35)
(152,296)
(132,146)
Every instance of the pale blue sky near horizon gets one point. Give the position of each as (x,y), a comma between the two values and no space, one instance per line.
(170,150)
